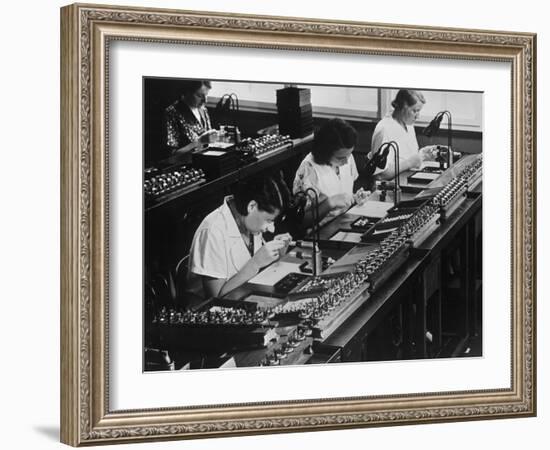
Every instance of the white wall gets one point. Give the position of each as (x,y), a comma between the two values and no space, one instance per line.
(362,103)
(30,223)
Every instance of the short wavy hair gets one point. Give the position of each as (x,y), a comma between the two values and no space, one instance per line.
(331,137)
(407,97)
(269,192)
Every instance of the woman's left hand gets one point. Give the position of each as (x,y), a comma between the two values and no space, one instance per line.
(428,153)
(286,238)
(361,196)
(209,137)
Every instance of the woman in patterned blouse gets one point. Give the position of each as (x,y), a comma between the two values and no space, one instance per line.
(187,120)
(330,171)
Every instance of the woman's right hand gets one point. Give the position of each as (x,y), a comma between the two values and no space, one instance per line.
(209,137)
(340,201)
(268,253)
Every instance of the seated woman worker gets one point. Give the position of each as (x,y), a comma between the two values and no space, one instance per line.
(399,127)
(187,121)
(228,247)
(330,171)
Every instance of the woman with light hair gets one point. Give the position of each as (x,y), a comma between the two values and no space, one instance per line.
(399,127)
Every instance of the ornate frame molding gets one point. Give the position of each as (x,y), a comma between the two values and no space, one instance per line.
(86,31)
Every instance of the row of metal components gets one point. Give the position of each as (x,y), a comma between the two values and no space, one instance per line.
(472,171)
(170,181)
(264,144)
(311,310)
(314,283)
(419,219)
(396,218)
(336,292)
(375,260)
(456,187)
(219,316)
(459,185)
(277,356)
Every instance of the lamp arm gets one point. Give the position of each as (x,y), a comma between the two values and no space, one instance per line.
(434,126)
(315,209)
(393,145)
(316,236)
(449,117)
(450,142)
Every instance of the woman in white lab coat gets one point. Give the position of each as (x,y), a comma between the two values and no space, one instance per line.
(330,171)
(228,248)
(399,127)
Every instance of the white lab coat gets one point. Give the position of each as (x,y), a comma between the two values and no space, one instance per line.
(218,250)
(388,129)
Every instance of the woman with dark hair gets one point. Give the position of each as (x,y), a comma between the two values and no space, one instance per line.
(228,248)
(187,120)
(399,127)
(330,171)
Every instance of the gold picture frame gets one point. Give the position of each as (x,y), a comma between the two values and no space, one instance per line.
(86,32)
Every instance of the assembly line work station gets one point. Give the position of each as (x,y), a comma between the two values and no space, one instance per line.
(280,233)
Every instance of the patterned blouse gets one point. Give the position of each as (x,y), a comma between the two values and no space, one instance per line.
(182,126)
(326,181)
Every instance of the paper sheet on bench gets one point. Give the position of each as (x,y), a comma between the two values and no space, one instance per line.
(275,272)
(425,176)
(371,208)
(347,236)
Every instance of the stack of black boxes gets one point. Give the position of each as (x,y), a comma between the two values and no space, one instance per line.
(295,112)
(216,162)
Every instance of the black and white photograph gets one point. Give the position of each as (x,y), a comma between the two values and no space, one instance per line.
(294,224)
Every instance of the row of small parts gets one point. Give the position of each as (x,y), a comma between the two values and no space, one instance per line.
(472,170)
(374,260)
(459,184)
(226,316)
(315,309)
(166,182)
(269,142)
(279,354)
(455,187)
(339,290)
(419,219)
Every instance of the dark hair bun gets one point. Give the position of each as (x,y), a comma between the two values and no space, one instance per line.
(407,97)
(331,137)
